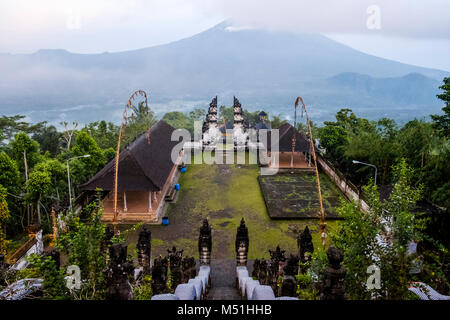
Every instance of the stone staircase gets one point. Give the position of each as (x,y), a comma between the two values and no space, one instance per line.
(223,276)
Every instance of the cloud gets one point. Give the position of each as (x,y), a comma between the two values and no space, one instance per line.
(116,25)
(406,18)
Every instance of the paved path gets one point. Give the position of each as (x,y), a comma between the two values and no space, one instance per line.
(223,277)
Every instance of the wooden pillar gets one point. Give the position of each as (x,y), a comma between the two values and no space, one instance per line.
(125,209)
(154,196)
(149,201)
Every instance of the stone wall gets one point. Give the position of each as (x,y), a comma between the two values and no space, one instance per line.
(346,187)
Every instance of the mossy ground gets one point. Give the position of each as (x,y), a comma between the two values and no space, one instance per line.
(294,196)
(224,194)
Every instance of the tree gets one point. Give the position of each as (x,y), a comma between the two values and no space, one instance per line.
(68,133)
(276,122)
(9,173)
(442,122)
(38,186)
(57,172)
(49,139)
(25,151)
(10,126)
(85,144)
(141,120)
(381,236)
(177,120)
(82,243)
(4,215)
(226,114)
(104,133)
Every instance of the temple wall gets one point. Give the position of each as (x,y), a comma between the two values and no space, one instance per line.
(348,189)
(171,180)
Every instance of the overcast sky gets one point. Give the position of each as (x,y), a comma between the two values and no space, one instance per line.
(411,31)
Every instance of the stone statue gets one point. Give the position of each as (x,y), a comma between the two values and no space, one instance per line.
(188,269)
(255,271)
(241,255)
(118,273)
(144,247)
(333,286)
(175,258)
(304,242)
(262,272)
(289,285)
(276,257)
(242,236)
(159,275)
(205,243)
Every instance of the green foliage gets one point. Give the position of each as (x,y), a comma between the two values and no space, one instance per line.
(4,215)
(49,139)
(104,133)
(21,144)
(9,126)
(9,173)
(82,244)
(38,185)
(143,289)
(85,144)
(276,122)
(142,120)
(54,284)
(226,114)
(442,122)
(391,220)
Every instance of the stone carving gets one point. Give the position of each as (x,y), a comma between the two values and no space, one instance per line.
(262,272)
(241,244)
(175,258)
(144,247)
(118,273)
(290,270)
(255,271)
(159,275)
(188,268)
(205,243)
(333,286)
(304,242)
(241,256)
(276,257)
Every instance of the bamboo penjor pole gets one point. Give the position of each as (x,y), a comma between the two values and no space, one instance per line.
(313,151)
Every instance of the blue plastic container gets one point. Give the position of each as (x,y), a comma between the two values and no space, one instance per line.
(165,221)
(177,187)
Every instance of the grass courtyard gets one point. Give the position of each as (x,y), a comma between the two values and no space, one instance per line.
(224,194)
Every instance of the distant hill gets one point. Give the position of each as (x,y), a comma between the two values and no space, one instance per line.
(265,70)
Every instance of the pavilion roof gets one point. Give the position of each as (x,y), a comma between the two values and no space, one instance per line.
(143,165)
(286,132)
